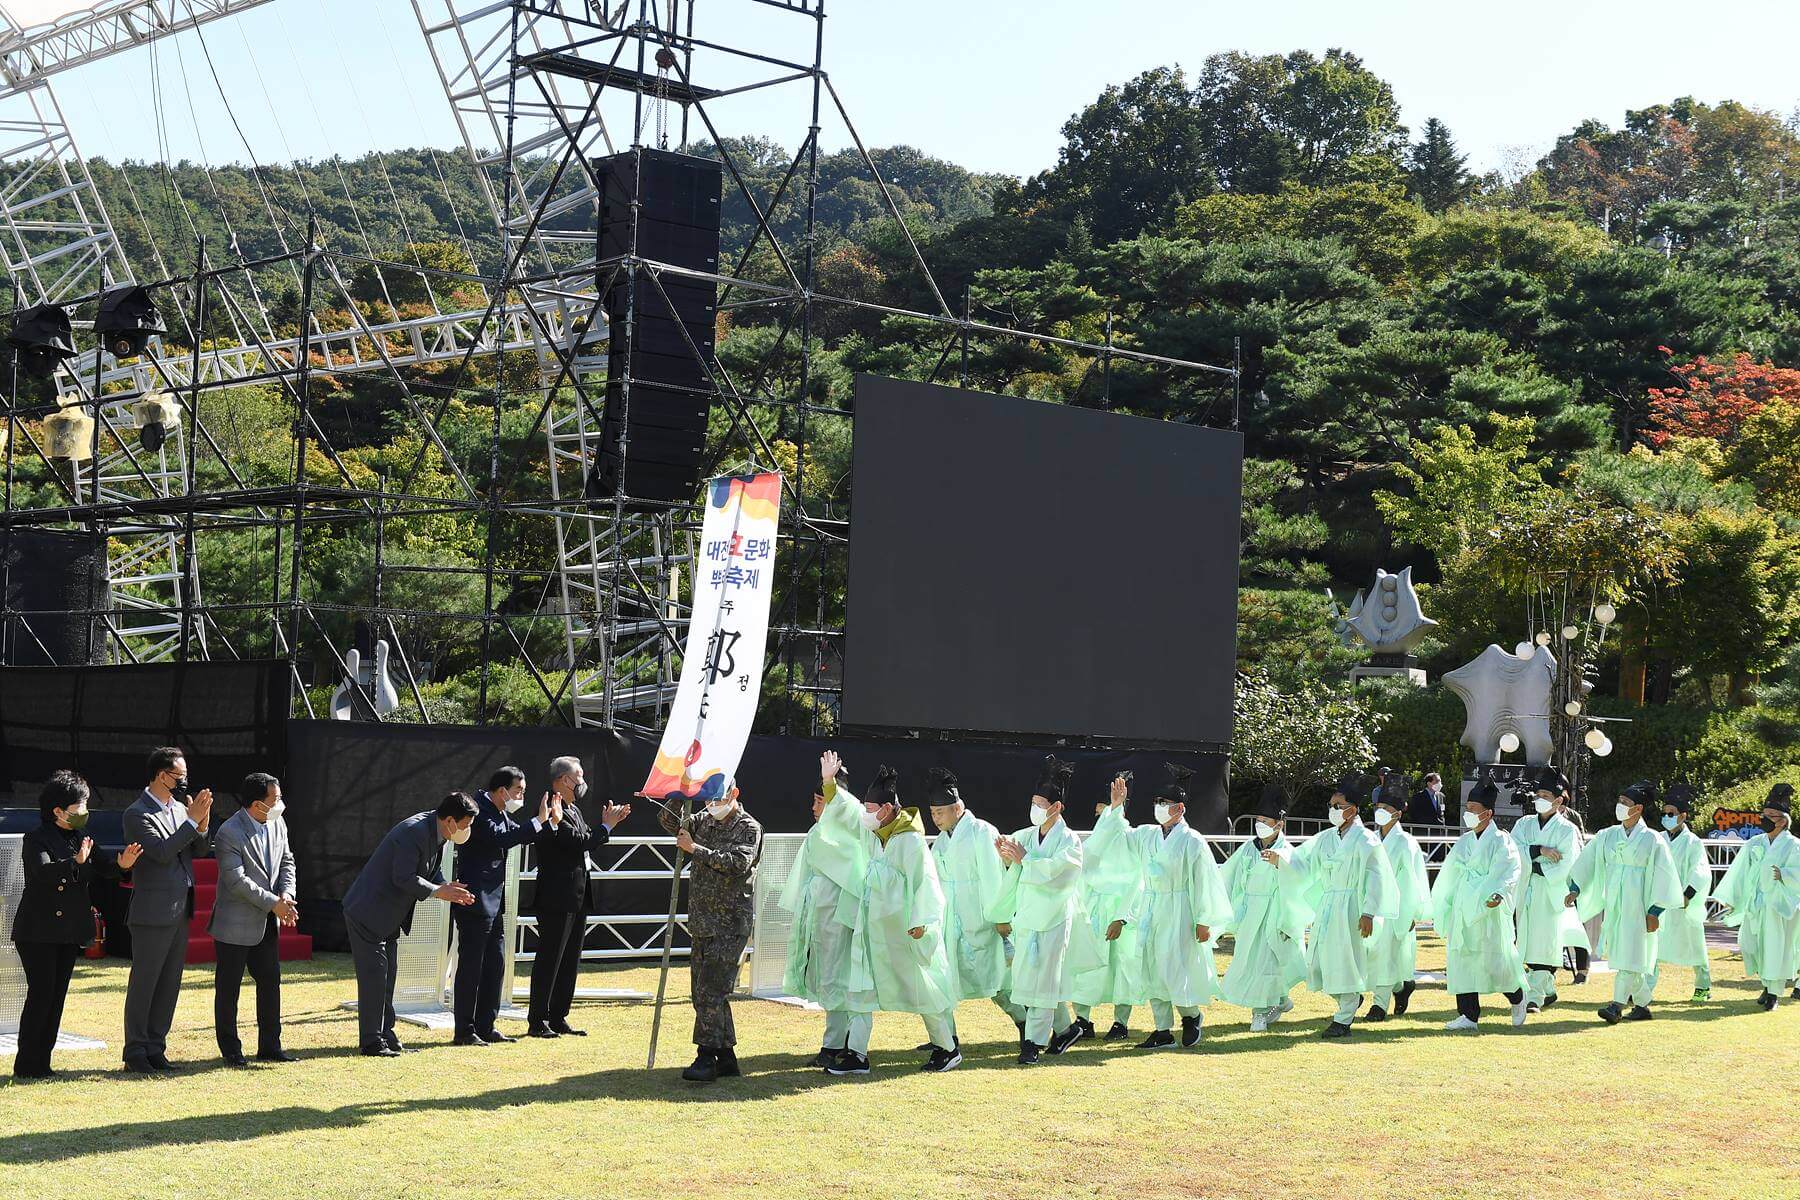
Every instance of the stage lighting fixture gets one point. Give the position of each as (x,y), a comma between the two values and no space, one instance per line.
(42,338)
(156,415)
(127,320)
(70,433)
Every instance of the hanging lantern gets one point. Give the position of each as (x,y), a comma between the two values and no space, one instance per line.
(70,432)
(1570,633)
(1605,613)
(1543,639)
(1572,708)
(1604,748)
(1595,738)
(1509,741)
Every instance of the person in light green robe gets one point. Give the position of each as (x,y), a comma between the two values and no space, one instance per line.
(1472,910)
(897,958)
(1683,938)
(974,881)
(1626,875)
(1761,895)
(1350,888)
(1548,845)
(1269,916)
(1106,929)
(824,892)
(1182,899)
(1394,950)
(1043,891)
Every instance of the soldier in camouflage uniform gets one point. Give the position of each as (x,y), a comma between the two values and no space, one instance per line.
(725,843)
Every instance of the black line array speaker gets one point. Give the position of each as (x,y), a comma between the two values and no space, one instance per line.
(654,434)
(48,576)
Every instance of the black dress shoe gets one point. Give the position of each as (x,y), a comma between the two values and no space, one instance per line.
(161,1063)
(468,1039)
(541,1031)
(45,1073)
(1117,1033)
(495,1037)
(235,1059)
(728,1063)
(704,1068)
(1157,1040)
(274,1056)
(396,1045)
(382,1051)
(565,1030)
(139,1066)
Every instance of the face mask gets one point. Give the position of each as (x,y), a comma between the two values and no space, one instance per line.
(459,836)
(719,811)
(1384,817)
(1768,824)
(871,820)
(180,790)
(76,819)
(1264,830)
(1039,816)
(1542,805)
(581,790)
(1671,822)
(1336,815)
(515,803)
(1162,814)
(1470,820)
(277,808)
(1622,812)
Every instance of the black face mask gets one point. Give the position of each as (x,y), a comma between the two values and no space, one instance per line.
(181,791)
(1768,824)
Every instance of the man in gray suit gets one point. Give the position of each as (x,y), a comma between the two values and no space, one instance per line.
(170,823)
(378,908)
(256,898)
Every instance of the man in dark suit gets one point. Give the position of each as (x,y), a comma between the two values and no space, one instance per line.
(378,908)
(256,898)
(481,927)
(562,897)
(1427,804)
(170,824)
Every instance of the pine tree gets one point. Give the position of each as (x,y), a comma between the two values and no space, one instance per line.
(1436,175)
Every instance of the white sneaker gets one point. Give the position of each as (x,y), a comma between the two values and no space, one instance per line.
(1286,1006)
(1259,1020)
(1462,1023)
(1518,1013)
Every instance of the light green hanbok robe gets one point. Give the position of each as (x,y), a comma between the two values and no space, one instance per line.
(890,970)
(1347,877)
(1765,910)
(1269,916)
(1394,950)
(1482,950)
(1624,875)
(1112,889)
(1684,927)
(974,879)
(824,891)
(1544,923)
(1040,902)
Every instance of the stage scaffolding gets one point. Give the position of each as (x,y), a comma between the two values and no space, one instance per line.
(501,401)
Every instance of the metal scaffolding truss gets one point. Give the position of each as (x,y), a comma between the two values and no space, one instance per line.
(90,34)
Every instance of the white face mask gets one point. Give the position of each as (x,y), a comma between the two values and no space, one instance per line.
(1264,830)
(1039,816)
(1621,811)
(1470,820)
(1384,817)
(871,820)
(1542,805)
(1162,814)
(459,836)
(275,810)
(515,803)
(1336,815)
(719,810)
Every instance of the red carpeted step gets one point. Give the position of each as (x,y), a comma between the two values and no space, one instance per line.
(202,949)
(206,895)
(206,870)
(293,947)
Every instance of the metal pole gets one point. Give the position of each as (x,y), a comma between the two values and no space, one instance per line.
(303,414)
(12,434)
(189,571)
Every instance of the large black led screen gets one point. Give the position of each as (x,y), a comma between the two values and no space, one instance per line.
(1023,567)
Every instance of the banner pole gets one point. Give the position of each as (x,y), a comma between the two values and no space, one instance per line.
(668,946)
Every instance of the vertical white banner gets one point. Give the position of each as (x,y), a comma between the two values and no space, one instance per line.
(721,669)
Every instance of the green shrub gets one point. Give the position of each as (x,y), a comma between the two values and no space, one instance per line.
(1749,794)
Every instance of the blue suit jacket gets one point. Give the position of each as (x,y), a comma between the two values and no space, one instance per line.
(481,861)
(403,871)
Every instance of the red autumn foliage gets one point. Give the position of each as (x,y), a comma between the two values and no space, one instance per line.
(1716,396)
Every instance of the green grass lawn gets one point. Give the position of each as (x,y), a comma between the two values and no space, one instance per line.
(1561,1108)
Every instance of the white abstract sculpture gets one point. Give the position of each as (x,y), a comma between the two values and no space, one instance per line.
(357,676)
(1387,619)
(1506,693)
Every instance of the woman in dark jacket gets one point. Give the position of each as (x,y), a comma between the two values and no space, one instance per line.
(55,919)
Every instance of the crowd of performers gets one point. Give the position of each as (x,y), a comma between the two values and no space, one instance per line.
(1049,927)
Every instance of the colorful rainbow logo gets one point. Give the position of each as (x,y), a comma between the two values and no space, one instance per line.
(760,494)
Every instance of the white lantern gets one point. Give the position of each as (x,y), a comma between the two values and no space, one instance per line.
(1543,639)
(1572,708)
(1604,748)
(1605,613)
(1509,742)
(1595,738)
(1570,633)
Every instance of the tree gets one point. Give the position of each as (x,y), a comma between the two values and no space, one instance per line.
(1436,175)
(1374,222)
(1713,398)
(1299,739)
